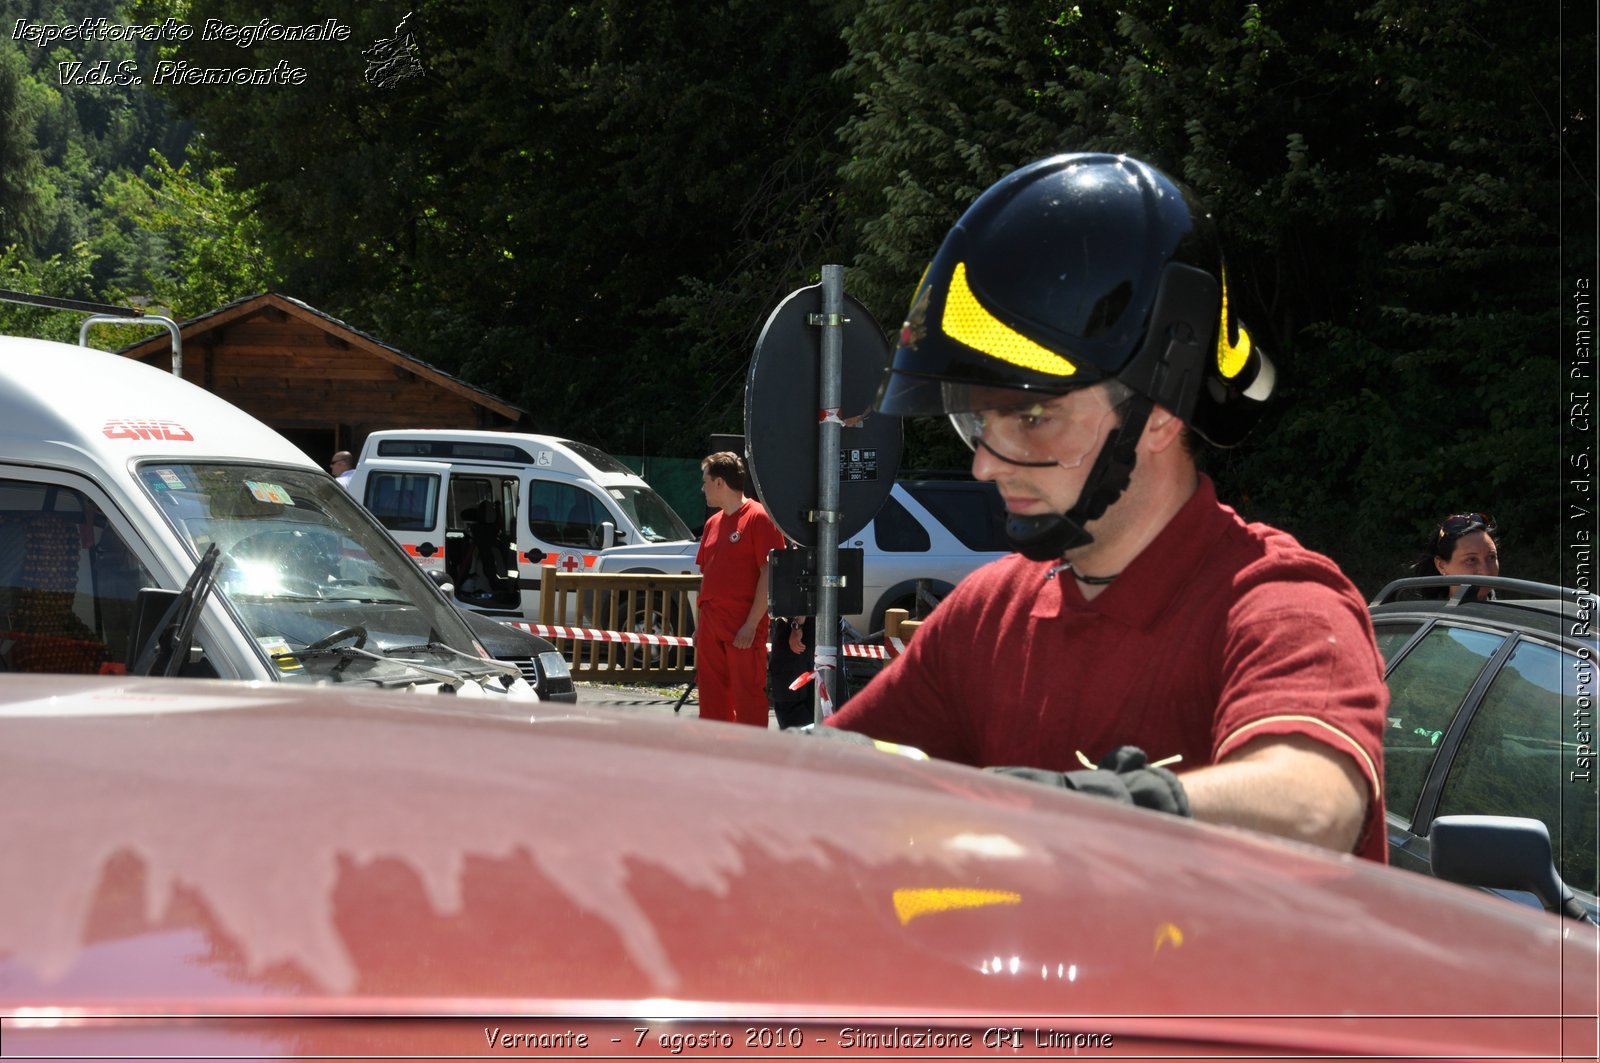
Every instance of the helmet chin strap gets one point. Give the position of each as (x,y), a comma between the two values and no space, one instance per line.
(1050,535)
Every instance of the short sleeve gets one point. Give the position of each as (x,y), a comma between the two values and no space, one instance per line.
(771,538)
(1300,659)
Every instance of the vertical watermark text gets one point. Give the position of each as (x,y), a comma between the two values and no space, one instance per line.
(1579,520)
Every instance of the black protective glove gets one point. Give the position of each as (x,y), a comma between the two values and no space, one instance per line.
(1124,775)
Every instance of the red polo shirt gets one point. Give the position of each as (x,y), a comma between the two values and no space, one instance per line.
(1217,633)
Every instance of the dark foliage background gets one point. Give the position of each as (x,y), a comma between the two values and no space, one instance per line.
(590,208)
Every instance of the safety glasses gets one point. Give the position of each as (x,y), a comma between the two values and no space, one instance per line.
(1061,430)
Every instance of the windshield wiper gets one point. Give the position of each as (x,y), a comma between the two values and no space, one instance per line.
(346,654)
(504,667)
(365,601)
(350,653)
(266,598)
(167,648)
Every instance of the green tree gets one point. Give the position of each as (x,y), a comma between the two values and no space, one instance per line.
(1385,182)
(20,167)
(203,242)
(1434,390)
(66,276)
(567,200)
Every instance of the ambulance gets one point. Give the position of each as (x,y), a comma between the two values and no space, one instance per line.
(482,511)
(147,526)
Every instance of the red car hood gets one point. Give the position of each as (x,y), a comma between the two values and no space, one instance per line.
(195,848)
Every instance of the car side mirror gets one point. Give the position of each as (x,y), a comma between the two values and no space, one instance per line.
(441,580)
(1501,852)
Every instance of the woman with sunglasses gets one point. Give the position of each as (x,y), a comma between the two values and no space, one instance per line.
(1463,544)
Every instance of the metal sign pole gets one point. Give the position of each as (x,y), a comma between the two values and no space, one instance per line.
(819,350)
(831,394)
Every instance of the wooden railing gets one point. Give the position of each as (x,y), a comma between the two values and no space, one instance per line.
(897,624)
(656,605)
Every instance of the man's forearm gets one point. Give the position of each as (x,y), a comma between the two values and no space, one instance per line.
(1287,785)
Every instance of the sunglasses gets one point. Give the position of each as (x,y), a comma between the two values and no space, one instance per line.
(1460,523)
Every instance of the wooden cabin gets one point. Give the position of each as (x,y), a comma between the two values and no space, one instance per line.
(320,382)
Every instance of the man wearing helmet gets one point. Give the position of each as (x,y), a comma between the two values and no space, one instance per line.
(1076,326)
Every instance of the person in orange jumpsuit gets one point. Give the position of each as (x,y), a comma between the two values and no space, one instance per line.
(730,643)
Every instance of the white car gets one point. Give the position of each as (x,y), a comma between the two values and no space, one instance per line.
(928,535)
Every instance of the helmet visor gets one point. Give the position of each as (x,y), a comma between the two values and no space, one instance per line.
(1026,428)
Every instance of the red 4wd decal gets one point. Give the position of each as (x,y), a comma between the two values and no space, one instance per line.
(131,429)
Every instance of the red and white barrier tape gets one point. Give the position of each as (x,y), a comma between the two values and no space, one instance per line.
(589,634)
(640,638)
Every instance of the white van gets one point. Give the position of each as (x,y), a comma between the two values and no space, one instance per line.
(146,524)
(928,535)
(482,511)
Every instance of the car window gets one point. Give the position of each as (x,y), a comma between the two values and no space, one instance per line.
(1393,635)
(1518,750)
(67,582)
(1425,688)
(895,530)
(973,512)
(565,515)
(403,501)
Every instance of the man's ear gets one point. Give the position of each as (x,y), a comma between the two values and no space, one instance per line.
(1161,430)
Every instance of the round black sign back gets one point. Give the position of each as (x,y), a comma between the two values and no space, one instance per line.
(782,416)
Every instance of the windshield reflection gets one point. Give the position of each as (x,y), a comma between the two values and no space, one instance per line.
(301,562)
(650,513)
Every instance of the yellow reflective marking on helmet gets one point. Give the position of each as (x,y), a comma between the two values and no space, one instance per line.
(966,321)
(1231,357)
(910,903)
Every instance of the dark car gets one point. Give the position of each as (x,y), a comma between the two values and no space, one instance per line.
(539,662)
(1490,714)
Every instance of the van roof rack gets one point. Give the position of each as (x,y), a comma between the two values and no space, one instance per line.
(103,314)
(51,302)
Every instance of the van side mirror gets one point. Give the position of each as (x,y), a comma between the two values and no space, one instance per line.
(609,535)
(1501,852)
(150,607)
(161,631)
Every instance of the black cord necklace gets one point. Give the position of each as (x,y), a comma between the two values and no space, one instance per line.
(1093,581)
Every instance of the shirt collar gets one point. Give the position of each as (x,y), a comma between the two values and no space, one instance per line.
(1147,586)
